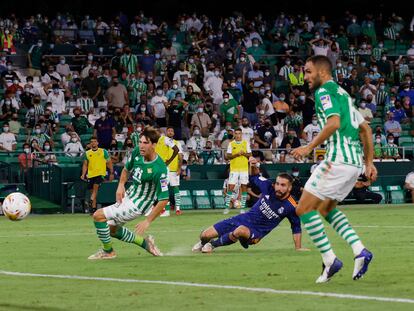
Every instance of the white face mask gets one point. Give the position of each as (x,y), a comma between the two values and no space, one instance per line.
(302,98)
(175,86)
(226,100)
(391,141)
(146,52)
(38,131)
(5,129)
(378,140)
(217,73)
(47,148)
(314,122)
(184,167)
(139,129)
(27,150)
(196,132)
(242,59)
(200,110)
(363,105)
(62,61)
(295,174)
(159,92)
(102,114)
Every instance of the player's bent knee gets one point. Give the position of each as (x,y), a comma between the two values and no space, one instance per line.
(208,234)
(99,216)
(242,232)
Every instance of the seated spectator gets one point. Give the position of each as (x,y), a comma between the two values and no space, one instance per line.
(365,112)
(185,171)
(79,122)
(74,147)
(15,124)
(391,149)
(26,158)
(399,113)
(209,156)
(362,194)
(291,139)
(409,184)
(46,155)
(196,142)
(378,152)
(378,131)
(85,103)
(393,127)
(201,120)
(266,136)
(7,139)
(319,160)
(310,129)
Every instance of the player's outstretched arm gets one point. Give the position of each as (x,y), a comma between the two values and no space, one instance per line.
(120,191)
(297,239)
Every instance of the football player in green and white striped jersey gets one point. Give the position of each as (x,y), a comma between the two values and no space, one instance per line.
(342,128)
(149,183)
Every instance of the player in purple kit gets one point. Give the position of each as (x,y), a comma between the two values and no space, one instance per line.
(273,206)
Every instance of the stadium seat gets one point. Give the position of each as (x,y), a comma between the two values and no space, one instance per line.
(214,174)
(186,200)
(217,198)
(195,175)
(405,139)
(405,127)
(396,195)
(405,133)
(377,120)
(378,189)
(201,199)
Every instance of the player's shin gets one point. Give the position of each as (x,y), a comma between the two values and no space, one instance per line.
(340,223)
(177,198)
(225,239)
(128,236)
(316,230)
(102,230)
(243,200)
(229,196)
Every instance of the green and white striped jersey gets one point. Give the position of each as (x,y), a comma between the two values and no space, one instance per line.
(85,104)
(135,139)
(129,62)
(149,180)
(344,146)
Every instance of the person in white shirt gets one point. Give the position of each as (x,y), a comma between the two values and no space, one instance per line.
(319,160)
(196,142)
(267,106)
(247,131)
(180,75)
(256,75)
(320,46)
(57,98)
(7,139)
(74,147)
(409,184)
(365,112)
(157,105)
(47,77)
(150,26)
(213,85)
(62,68)
(310,129)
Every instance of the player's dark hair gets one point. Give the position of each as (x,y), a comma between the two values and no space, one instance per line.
(93,138)
(321,61)
(286,176)
(151,134)
(238,129)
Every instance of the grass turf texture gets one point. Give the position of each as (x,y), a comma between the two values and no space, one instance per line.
(60,244)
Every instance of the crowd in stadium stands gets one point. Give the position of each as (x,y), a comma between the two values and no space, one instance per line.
(88,76)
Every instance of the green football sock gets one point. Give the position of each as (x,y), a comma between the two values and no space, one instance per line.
(229,196)
(316,230)
(340,223)
(102,229)
(177,198)
(128,236)
(243,200)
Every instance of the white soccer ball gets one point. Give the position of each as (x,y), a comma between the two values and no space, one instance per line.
(236,204)
(16,206)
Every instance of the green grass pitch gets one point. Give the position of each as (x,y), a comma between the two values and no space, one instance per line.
(60,244)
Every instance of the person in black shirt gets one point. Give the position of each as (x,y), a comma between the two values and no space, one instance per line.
(291,139)
(266,135)
(307,106)
(297,185)
(362,194)
(250,102)
(175,110)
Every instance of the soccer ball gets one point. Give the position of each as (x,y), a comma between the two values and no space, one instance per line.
(16,206)
(236,204)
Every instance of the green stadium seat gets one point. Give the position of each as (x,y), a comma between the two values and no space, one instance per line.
(201,199)
(23,131)
(408,147)
(65,117)
(21,138)
(405,133)
(405,139)
(195,175)
(186,200)
(405,127)
(378,189)
(396,195)
(214,174)
(377,120)
(217,199)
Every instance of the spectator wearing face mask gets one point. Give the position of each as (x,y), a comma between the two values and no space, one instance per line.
(229,108)
(310,129)
(63,68)
(319,160)
(185,171)
(129,62)
(202,121)
(181,74)
(34,56)
(147,61)
(79,122)
(74,147)
(117,94)
(196,141)
(378,152)
(26,158)
(390,150)
(213,86)
(393,127)
(209,156)
(91,85)
(46,153)
(399,113)
(242,66)
(15,124)
(291,139)
(7,139)
(174,90)
(39,136)
(365,112)
(157,106)
(406,91)
(57,98)
(9,75)
(297,185)
(175,110)
(256,75)
(285,70)
(266,136)
(104,129)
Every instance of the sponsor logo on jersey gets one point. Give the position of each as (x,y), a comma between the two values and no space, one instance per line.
(326,102)
(280,210)
(164,184)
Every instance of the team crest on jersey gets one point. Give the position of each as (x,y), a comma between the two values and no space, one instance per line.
(149,170)
(326,102)
(164,184)
(280,210)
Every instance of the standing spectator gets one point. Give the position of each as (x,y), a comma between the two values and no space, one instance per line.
(57,98)
(26,158)
(213,86)
(80,123)
(266,136)
(256,75)
(35,57)
(129,62)
(104,129)
(158,103)
(247,131)
(7,139)
(85,104)
(250,102)
(96,160)
(147,61)
(201,120)
(229,109)
(117,94)
(175,110)
(39,136)
(91,85)
(310,129)
(378,153)
(15,124)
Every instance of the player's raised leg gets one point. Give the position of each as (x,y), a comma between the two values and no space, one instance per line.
(341,225)
(309,216)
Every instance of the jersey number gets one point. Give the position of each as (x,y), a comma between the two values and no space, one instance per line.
(352,112)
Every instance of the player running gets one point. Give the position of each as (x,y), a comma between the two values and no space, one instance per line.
(149,182)
(249,228)
(238,152)
(334,178)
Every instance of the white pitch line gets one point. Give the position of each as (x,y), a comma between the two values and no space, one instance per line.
(216,286)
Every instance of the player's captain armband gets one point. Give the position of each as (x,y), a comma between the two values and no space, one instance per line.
(326,102)
(164,184)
